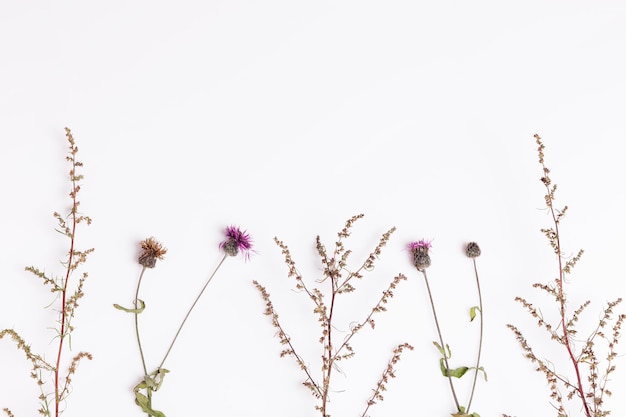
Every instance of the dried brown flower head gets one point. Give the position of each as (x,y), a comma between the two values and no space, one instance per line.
(419,251)
(151,250)
(472,250)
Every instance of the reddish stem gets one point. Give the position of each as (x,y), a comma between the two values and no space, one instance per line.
(580,389)
(57,399)
(329,346)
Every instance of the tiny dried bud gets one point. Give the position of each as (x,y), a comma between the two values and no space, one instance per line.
(472,250)
(151,250)
(419,250)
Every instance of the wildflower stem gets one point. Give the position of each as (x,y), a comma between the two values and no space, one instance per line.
(136,304)
(190,309)
(143,360)
(443,346)
(480,338)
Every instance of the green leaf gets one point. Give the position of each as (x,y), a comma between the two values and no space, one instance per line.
(481,369)
(143,401)
(155,379)
(438,346)
(473,312)
(457,373)
(142,307)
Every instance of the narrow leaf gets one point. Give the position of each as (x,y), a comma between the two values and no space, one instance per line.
(438,346)
(473,311)
(142,307)
(144,402)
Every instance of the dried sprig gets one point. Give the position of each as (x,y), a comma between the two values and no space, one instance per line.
(339,277)
(587,380)
(68,297)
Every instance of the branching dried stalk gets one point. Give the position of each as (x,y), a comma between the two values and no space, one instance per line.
(60,286)
(340,280)
(586,382)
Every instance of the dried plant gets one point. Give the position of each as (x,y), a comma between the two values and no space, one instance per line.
(334,348)
(236,241)
(586,381)
(67,293)
(420,255)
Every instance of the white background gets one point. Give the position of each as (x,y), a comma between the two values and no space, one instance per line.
(286,118)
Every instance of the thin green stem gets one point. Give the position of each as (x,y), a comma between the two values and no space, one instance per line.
(443,346)
(480,339)
(189,311)
(143,360)
(136,304)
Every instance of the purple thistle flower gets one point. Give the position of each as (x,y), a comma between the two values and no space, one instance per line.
(422,245)
(419,251)
(236,241)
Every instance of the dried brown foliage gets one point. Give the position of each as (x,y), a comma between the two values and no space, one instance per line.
(339,277)
(588,375)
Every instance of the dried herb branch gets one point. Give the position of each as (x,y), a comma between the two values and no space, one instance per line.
(586,381)
(68,297)
(339,278)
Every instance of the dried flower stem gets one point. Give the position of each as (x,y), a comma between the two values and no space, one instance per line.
(480,337)
(136,304)
(443,345)
(190,310)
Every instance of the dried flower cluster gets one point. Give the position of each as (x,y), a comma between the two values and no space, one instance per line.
(584,384)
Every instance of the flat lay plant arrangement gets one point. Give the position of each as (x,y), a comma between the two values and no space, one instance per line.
(582,387)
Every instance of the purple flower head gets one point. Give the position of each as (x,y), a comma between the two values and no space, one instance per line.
(419,252)
(421,245)
(236,241)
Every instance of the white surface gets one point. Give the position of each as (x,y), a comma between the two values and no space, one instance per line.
(287,118)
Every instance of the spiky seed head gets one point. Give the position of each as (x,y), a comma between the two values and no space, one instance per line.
(151,250)
(472,250)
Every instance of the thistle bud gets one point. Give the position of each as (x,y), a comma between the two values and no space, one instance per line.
(472,250)
(419,250)
(151,250)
